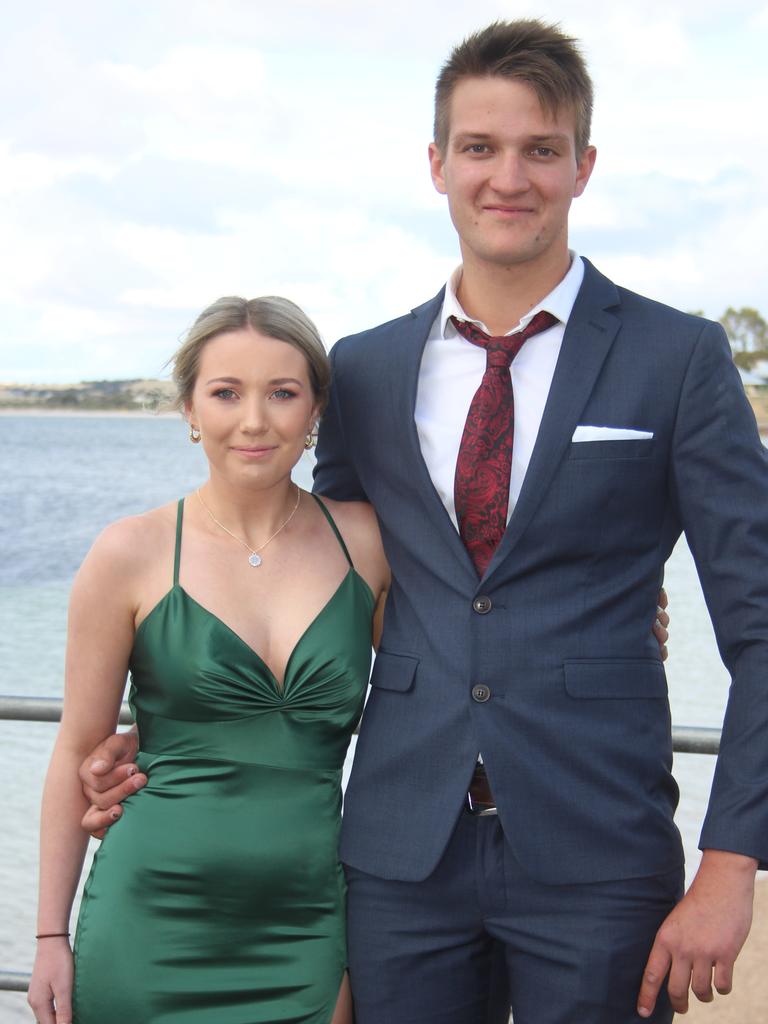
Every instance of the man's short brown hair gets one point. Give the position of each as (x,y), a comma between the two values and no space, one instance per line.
(529,51)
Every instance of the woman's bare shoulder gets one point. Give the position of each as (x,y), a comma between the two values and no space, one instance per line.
(132,541)
(355,519)
(359,527)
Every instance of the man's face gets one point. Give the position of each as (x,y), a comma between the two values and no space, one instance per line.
(510,171)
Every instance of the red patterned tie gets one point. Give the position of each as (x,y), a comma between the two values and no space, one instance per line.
(481,487)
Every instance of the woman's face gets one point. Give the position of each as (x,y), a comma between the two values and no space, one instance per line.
(254,406)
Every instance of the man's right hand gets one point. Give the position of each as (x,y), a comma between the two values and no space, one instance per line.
(109,775)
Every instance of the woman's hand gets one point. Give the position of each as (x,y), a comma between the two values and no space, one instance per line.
(50,990)
(660,626)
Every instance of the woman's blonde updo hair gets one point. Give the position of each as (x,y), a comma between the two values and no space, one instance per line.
(270,315)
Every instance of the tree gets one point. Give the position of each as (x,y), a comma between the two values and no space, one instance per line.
(746,329)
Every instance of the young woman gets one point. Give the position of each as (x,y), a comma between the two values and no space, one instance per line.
(244,615)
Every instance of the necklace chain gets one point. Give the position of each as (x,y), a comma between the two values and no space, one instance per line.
(254,558)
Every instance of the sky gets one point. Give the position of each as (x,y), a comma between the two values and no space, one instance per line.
(158,154)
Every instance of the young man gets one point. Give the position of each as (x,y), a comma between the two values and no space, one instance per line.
(511,786)
(529,645)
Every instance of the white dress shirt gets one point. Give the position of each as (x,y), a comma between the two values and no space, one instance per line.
(451,371)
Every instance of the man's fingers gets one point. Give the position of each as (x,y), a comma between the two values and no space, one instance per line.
(701,981)
(723,978)
(679,984)
(128,779)
(663,599)
(114,750)
(97,821)
(653,978)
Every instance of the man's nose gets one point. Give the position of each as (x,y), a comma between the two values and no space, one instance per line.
(510,174)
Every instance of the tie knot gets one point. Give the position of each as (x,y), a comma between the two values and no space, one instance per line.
(501,349)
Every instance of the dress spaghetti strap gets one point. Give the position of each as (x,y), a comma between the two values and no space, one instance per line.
(335,529)
(177,552)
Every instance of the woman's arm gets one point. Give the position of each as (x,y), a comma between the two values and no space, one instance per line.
(99,639)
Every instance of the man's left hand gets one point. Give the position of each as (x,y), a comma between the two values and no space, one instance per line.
(704,933)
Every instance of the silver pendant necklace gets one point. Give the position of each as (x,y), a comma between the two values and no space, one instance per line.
(254,558)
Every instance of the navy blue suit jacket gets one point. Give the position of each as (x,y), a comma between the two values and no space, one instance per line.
(576,733)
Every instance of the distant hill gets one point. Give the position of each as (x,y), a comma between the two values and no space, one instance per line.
(158,396)
(125,395)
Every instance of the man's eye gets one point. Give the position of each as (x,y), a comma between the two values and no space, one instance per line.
(545,151)
(477,147)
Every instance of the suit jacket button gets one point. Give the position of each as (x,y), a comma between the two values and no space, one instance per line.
(480,693)
(482,605)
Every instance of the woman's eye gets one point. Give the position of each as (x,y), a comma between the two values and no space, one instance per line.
(282,393)
(225,393)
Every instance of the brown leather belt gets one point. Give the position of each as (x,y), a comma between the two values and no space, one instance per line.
(479,797)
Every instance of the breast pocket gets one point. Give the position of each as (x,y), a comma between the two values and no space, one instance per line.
(614,450)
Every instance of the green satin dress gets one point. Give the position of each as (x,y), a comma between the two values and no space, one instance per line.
(219,897)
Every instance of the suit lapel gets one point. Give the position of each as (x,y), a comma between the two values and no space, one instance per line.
(407,353)
(589,334)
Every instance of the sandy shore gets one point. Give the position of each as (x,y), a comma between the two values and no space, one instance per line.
(748,1003)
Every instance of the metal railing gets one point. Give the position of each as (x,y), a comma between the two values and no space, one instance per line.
(43,709)
(14,981)
(685,740)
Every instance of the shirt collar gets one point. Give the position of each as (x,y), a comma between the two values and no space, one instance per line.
(559,302)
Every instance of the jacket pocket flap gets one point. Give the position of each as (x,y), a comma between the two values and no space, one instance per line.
(615,679)
(394,671)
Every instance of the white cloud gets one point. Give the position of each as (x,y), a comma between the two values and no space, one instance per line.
(29,171)
(203,72)
(346,268)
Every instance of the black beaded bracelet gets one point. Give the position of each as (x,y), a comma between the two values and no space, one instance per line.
(53,935)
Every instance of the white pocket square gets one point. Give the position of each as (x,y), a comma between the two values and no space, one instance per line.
(589,433)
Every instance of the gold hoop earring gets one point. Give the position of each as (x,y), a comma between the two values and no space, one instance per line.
(309,441)
(194,434)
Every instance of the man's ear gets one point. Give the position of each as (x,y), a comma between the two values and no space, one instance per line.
(584,168)
(436,168)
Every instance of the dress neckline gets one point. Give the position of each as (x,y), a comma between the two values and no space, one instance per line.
(279,686)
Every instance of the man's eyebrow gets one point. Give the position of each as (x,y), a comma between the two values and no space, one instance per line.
(464,137)
(471,137)
(550,137)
